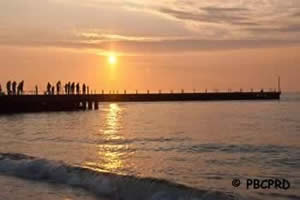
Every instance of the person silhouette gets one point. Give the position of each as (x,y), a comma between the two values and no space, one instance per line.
(83,88)
(88,89)
(20,88)
(58,86)
(8,87)
(14,87)
(72,88)
(69,87)
(78,88)
(53,90)
(66,88)
(49,88)
(36,90)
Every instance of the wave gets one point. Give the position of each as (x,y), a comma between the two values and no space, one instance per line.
(114,141)
(112,186)
(239,148)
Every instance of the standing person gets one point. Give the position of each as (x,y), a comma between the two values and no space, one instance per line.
(20,88)
(58,85)
(36,90)
(53,90)
(83,88)
(66,88)
(8,87)
(48,88)
(78,88)
(72,88)
(88,89)
(14,87)
(69,87)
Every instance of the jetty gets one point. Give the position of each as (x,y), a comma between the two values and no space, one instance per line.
(65,102)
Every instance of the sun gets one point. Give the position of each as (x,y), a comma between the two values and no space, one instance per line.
(112,59)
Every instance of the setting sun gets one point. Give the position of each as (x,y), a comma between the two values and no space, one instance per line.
(112,59)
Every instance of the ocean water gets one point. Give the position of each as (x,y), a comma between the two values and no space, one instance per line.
(152,151)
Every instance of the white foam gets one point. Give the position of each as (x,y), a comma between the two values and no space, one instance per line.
(113,186)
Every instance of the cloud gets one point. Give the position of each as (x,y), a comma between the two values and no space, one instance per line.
(283,29)
(191,45)
(150,26)
(156,46)
(235,16)
(245,20)
(296,14)
(98,37)
(223,9)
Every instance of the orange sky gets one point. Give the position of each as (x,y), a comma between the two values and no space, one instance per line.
(160,45)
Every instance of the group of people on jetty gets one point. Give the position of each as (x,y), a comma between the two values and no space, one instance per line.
(70,88)
(13,88)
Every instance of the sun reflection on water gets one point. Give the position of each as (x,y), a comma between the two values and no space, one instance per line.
(112,122)
(109,153)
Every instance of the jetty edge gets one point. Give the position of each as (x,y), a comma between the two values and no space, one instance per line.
(44,103)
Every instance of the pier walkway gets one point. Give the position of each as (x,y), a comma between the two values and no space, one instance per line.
(44,103)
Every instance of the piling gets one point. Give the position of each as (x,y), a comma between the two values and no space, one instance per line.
(96,105)
(90,105)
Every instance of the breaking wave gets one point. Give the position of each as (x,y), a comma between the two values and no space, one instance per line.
(111,186)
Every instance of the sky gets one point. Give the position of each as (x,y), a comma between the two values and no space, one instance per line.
(159,45)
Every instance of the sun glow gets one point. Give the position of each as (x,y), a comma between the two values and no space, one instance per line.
(112,59)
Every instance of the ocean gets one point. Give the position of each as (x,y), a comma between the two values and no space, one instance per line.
(153,151)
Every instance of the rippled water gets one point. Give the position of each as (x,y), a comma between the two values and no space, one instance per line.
(203,145)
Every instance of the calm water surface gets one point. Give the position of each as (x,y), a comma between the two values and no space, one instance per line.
(203,145)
